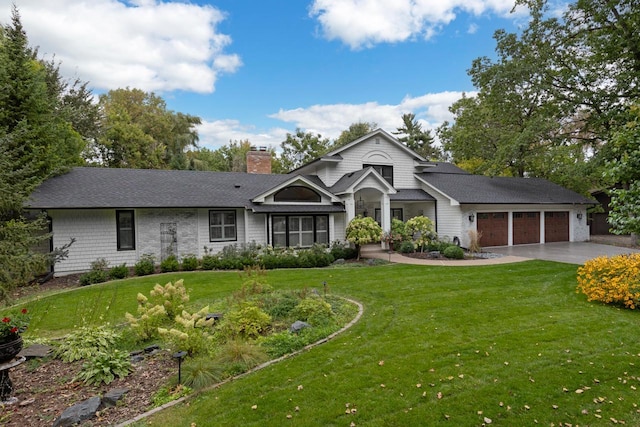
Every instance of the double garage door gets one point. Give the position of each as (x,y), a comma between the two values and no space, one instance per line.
(494,227)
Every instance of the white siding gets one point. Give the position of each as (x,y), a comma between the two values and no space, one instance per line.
(377,150)
(148,227)
(95,234)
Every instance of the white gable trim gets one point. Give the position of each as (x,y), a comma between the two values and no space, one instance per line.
(295,180)
(453,201)
(377,133)
(385,187)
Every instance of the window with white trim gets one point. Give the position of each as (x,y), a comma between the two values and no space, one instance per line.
(125,229)
(222,226)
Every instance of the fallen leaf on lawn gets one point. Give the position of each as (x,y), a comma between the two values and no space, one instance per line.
(554,406)
(439,395)
(382,385)
(579,391)
(380,363)
(289,416)
(418,385)
(300,387)
(487,420)
(527,407)
(297,409)
(254,407)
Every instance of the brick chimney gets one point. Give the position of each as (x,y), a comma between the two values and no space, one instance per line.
(259,160)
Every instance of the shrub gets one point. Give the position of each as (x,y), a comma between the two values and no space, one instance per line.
(209,262)
(191,332)
(363,230)
(453,252)
(119,272)
(190,263)
(246,321)
(422,230)
(168,394)
(97,274)
(93,276)
(171,296)
(145,265)
(341,250)
(169,264)
(611,280)
(151,316)
(313,310)
(86,342)
(406,248)
(104,367)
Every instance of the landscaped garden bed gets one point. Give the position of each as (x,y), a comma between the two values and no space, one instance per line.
(222,339)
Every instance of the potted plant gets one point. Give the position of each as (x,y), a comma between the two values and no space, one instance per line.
(10,338)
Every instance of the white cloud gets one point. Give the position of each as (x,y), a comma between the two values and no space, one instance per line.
(147,44)
(364,23)
(431,111)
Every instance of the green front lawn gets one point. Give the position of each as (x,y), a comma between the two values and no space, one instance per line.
(511,343)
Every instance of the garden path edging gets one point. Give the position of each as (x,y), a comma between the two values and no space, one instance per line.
(250,371)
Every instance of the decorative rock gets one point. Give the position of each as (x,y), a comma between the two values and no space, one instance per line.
(298,326)
(36,350)
(152,348)
(136,353)
(78,412)
(434,254)
(215,316)
(136,359)
(339,261)
(112,396)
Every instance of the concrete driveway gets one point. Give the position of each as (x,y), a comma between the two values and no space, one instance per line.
(567,252)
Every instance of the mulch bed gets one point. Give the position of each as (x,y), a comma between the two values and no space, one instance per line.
(46,387)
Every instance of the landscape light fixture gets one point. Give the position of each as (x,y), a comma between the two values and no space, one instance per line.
(579,215)
(472,217)
(180,355)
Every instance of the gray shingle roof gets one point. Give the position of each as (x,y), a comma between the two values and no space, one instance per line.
(146,188)
(442,167)
(411,194)
(347,180)
(466,188)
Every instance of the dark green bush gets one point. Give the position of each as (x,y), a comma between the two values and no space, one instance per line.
(189,263)
(313,310)
(93,276)
(406,248)
(145,265)
(119,272)
(169,264)
(209,262)
(453,252)
(342,251)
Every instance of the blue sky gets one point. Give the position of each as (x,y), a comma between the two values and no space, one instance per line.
(258,70)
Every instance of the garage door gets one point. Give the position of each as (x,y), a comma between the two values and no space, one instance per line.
(526,227)
(494,228)
(556,227)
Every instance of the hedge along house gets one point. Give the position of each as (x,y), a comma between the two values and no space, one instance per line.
(122,214)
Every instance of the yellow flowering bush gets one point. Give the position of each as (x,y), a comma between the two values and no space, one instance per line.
(192,332)
(612,280)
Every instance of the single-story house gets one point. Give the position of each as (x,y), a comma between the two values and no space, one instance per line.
(122,214)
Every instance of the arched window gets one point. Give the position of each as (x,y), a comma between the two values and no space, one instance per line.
(297,193)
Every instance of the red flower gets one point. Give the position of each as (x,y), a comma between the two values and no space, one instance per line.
(14,330)
(23,311)
(6,320)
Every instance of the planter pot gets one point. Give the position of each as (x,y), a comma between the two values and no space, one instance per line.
(10,348)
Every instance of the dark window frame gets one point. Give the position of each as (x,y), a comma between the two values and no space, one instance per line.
(378,214)
(222,225)
(120,230)
(381,170)
(282,196)
(287,232)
